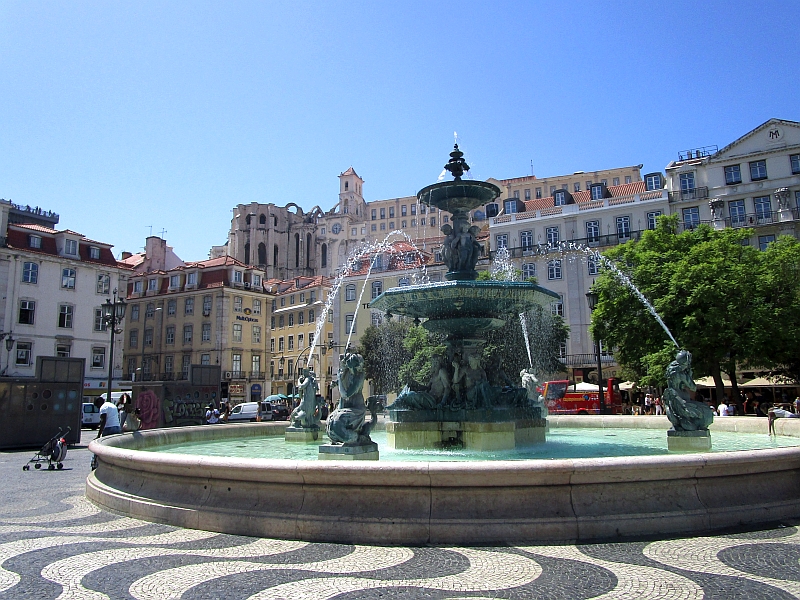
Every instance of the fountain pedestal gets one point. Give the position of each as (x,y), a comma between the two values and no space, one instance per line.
(689,441)
(307,435)
(470,435)
(341,452)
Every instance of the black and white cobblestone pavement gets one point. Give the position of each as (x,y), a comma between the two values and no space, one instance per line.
(55,544)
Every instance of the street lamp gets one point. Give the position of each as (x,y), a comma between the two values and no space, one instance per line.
(113,313)
(9,345)
(591,298)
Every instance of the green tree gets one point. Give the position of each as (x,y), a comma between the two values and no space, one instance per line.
(384,353)
(701,283)
(422,346)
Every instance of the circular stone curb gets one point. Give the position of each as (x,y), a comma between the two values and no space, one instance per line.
(449,502)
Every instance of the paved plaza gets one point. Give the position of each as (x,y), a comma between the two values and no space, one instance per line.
(55,544)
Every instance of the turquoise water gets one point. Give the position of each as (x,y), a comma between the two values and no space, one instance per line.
(561,443)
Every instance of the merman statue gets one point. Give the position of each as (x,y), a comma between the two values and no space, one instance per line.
(684,413)
(347,424)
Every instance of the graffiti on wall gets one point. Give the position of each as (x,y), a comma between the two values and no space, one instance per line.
(174,405)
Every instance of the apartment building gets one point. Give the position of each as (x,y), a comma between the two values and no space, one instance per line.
(211,312)
(297,306)
(54,284)
(596,216)
(753,182)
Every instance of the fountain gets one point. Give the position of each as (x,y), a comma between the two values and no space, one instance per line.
(458,407)
(499,491)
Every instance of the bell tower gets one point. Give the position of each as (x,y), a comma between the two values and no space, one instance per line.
(351,200)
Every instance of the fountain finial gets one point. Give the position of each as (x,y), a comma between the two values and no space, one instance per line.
(456,165)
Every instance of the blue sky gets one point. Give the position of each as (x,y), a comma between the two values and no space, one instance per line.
(123,115)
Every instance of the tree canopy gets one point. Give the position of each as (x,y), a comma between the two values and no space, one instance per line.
(721,299)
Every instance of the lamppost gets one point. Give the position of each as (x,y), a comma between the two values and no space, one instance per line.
(113,313)
(9,345)
(591,298)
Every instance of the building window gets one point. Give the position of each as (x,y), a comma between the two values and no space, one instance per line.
(27,312)
(206,306)
(653,182)
(186,362)
(24,353)
(350,293)
(205,332)
(554,269)
(383,213)
(526,239)
(272,345)
(281,321)
(733,175)
(256,280)
(188,306)
(290,343)
(133,338)
(349,324)
(557,308)
(34,241)
(374,214)
(172,308)
(272,322)
(65,314)
(552,235)
(311,316)
(691,217)
(687,185)
(592,231)
(63,350)
(502,240)
(103,284)
(562,350)
(237,304)
(391,212)
(205,359)
(237,276)
(134,312)
(413,222)
(652,217)
(170,335)
(30,272)
(510,206)
(70,247)
(560,199)
(137,287)
(256,334)
(174,281)
(291,319)
(764,241)
(187,334)
(538,192)
(413,209)
(528,270)
(280,344)
(615,181)
(169,363)
(301,318)
(99,322)
(623,228)
(383,226)
(377,289)
(256,363)
(592,266)
(152,285)
(763,208)
(736,211)
(528,194)
(597,192)
(191,279)
(758,170)
(795,160)
(149,310)
(237,332)
(148,337)
(68,279)
(404,281)
(256,307)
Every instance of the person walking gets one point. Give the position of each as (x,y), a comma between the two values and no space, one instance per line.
(109,417)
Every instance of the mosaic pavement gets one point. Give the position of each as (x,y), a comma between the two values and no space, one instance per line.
(55,544)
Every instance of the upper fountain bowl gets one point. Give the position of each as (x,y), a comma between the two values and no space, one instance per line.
(458,197)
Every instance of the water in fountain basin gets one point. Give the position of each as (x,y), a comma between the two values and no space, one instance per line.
(503,270)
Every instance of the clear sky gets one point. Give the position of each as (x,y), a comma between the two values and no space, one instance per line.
(122,115)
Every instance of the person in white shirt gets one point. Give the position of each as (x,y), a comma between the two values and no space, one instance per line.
(109,418)
(722,409)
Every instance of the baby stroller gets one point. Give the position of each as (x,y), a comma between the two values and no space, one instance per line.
(53,452)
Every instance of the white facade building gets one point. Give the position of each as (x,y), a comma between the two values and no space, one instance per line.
(54,283)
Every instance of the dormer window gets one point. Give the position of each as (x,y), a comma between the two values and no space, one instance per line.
(237,277)
(137,287)
(94,252)
(71,247)
(409,258)
(560,198)
(35,241)
(510,206)
(174,281)
(653,181)
(597,192)
(191,279)
(256,280)
(152,285)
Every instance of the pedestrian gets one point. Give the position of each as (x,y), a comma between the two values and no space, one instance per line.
(123,408)
(109,417)
(648,403)
(659,406)
(797,405)
(722,409)
(212,415)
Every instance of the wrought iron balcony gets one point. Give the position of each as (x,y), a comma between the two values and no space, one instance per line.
(697,193)
(586,360)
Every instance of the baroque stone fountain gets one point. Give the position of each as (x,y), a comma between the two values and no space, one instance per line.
(459,407)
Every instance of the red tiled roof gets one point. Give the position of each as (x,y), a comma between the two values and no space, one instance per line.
(290,285)
(585,196)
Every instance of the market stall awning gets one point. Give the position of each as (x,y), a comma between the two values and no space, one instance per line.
(769,382)
(627,386)
(708,382)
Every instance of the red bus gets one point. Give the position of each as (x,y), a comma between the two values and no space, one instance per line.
(560,400)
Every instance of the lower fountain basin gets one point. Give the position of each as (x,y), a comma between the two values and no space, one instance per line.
(437,502)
